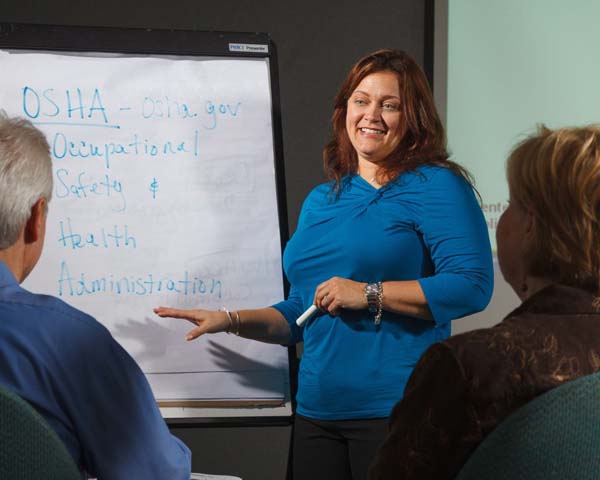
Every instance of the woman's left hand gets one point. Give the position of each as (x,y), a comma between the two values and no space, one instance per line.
(337,293)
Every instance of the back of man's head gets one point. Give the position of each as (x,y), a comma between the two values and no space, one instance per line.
(25,174)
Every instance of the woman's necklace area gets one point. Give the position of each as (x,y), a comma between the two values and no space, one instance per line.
(372,180)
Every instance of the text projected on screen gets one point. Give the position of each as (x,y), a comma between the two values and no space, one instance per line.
(512,65)
(164,194)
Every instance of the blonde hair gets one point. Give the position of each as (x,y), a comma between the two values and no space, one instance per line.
(555,175)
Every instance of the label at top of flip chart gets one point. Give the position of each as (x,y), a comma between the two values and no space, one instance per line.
(248,48)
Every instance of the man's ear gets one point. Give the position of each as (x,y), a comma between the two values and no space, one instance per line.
(34,228)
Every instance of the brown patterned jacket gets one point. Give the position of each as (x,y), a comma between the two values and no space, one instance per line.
(463,387)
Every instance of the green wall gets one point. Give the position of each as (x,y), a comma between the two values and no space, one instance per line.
(513,64)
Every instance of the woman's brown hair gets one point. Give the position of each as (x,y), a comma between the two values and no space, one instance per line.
(424,139)
(555,175)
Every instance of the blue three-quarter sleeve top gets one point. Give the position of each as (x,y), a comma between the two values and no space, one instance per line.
(426,226)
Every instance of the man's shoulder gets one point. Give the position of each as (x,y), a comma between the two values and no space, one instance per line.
(52,310)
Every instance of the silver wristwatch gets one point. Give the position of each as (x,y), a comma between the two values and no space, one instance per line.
(372,291)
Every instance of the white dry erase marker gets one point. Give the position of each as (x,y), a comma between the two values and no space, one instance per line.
(310,311)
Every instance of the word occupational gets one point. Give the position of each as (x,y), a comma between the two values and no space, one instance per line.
(74,105)
(140,285)
(63,146)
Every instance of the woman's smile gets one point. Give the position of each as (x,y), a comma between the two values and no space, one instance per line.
(373,117)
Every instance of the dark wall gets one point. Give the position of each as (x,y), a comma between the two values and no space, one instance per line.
(317,42)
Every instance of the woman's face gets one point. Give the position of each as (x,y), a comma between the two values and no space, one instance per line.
(373,116)
(511,237)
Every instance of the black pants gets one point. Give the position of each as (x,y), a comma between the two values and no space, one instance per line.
(336,450)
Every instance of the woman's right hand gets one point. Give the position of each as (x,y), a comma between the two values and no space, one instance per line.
(206,321)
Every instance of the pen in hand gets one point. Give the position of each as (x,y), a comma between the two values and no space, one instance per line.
(309,313)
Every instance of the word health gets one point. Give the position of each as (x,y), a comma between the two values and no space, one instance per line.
(85,186)
(63,146)
(115,237)
(140,285)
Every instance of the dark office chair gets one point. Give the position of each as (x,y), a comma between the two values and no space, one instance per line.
(555,436)
(29,448)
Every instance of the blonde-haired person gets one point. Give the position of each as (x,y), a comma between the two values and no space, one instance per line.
(548,250)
